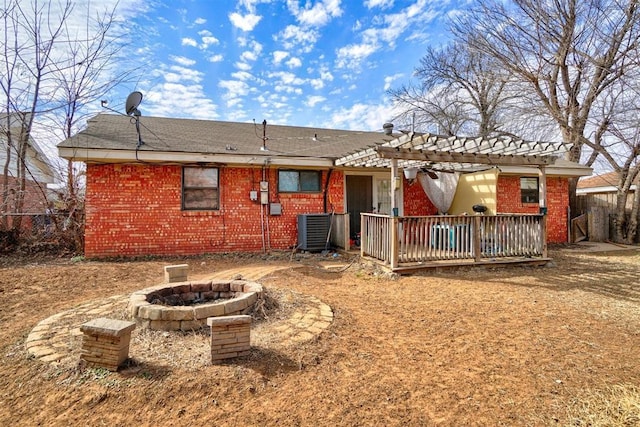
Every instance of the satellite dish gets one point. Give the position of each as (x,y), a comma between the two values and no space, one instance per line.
(133,100)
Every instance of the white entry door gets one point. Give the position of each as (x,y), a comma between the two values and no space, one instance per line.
(382,196)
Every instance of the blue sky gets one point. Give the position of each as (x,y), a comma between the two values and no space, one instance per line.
(320,63)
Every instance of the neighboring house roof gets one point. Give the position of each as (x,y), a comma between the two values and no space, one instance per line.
(605,183)
(113,138)
(37,161)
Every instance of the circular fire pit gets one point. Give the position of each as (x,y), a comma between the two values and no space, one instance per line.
(185,306)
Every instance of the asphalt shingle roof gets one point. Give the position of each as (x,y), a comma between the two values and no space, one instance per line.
(116,132)
(609,179)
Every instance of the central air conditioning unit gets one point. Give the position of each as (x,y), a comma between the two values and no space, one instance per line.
(313,230)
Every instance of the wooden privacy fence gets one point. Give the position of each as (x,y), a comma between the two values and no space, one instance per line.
(399,241)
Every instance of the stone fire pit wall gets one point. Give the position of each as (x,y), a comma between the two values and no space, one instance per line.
(191,303)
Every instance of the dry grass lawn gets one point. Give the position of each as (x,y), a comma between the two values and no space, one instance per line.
(557,345)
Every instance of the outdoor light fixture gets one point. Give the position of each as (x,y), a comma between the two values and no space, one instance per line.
(411,174)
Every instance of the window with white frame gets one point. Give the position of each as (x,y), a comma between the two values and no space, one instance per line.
(529,191)
(200,188)
(298,181)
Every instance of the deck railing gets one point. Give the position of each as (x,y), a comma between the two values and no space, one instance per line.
(405,240)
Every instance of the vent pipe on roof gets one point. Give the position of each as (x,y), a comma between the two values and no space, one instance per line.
(388,128)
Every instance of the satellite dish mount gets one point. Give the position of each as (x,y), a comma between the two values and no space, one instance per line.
(131,107)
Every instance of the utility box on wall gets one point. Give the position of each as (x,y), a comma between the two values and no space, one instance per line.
(313,231)
(275,209)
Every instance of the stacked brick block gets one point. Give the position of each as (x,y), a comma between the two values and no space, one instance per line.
(230,337)
(176,273)
(105,342)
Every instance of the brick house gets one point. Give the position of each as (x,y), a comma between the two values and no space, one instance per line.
(184,187)
(37,176)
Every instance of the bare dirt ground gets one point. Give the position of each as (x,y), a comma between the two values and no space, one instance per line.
(556,345)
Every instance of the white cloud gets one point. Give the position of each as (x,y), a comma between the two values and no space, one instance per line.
(312,101)
(317,84)
(287,78)
(235,87)
(189,42)
(279,55)
(200,21)
(373,39)
(294,63)
(242,75)
(250,5)
(178,73)
(286,88)
(216,58)
(242,66)
(383,4)
(388,80)
(187,62)
(208,41)
(237,115)
(248,56)
(297,38)
(246,22)
(352,55)
(317,15)
(172,99)
(234,102)
(252,55)
(361,116)
(325,74)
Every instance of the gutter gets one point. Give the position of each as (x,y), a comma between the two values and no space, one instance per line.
(89,155)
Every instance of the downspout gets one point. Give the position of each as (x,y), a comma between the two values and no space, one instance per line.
(264,248)
(326,190)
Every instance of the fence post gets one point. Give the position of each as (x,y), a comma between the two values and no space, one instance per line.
(363,233)
(543,224)
(394,242)
(477,250)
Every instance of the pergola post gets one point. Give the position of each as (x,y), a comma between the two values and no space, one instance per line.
(394,247)
(542,200)
(394,186)
(394,214)
(542,188)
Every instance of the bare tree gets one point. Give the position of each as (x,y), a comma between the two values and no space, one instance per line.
(93,66)
(567,52)
(436,108)
(52,69)
(29,39)
(626,222)
(459,90)
(619,146)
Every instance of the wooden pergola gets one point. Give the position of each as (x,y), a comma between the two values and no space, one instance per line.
(458,154)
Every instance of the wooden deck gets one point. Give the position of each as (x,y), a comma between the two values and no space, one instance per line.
(411,243)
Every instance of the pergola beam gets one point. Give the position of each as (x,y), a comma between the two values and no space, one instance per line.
(456,157)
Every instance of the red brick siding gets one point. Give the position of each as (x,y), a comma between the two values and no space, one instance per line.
(509,201)
(35,202)
(136,210)
(415,200)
